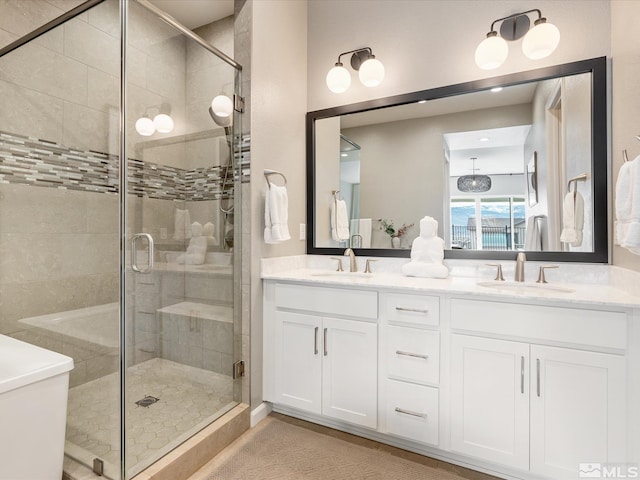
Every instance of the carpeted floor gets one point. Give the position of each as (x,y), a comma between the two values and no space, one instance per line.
(281,448)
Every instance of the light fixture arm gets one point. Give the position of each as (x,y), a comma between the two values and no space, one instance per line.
(516,15)
(358,57)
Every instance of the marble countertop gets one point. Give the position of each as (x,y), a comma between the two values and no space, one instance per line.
(597,285)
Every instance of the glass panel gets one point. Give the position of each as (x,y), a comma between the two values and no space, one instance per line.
(180,309)
(59,260)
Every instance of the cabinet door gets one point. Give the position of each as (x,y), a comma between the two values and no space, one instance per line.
(350,371)
(298,361)
(577,410)
(490,400)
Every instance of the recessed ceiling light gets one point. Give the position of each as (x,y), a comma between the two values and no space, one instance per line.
(422,101)
(484,139)
(496,89)
(344,154)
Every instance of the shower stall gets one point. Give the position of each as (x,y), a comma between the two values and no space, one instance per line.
(119,232)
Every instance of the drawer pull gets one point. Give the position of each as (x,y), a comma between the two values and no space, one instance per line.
(409,412)
(409,354)
(412,310)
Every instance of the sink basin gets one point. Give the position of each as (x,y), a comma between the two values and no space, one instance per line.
(342,274)
(518,287)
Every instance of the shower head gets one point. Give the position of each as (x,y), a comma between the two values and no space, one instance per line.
(221,121)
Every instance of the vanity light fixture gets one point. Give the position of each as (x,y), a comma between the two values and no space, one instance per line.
(474,183)
(370,70)
(161,123)
(540,41)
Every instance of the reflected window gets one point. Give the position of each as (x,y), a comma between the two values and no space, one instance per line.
(489,223)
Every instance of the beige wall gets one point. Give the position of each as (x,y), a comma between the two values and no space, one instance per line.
(431,43)
(625,124)
(327,177)
(278,98)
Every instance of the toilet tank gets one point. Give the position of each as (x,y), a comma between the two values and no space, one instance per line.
(34,384)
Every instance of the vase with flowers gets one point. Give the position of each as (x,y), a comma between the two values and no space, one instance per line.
(387,227)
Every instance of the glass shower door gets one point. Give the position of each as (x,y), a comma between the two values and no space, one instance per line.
(59,201)
(181,338)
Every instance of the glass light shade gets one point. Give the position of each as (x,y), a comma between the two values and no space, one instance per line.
(474,183)
(145,127)
(222,106)
(491,53)
(371,72)
(541,41)
(163,123)
(338,79)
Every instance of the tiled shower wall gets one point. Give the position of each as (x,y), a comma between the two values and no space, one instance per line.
(59,247)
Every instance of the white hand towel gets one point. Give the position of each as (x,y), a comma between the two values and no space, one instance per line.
(572,219)
(627,226)
(339,221)
(533,240)
(181,225)
(276,215)
(362,227)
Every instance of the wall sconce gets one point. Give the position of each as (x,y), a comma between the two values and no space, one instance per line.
(539,41)
(370,71)
(161,123)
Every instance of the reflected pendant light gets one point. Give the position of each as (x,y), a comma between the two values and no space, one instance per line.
(474,183)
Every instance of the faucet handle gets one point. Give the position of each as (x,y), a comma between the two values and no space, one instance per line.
(541,278)
(367,267)
(499,275)
(339,269)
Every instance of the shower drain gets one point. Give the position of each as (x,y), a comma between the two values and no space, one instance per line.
(147,401)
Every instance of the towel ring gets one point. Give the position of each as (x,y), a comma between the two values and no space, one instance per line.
(575,180)
(268,173)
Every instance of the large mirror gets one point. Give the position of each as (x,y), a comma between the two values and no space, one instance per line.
(507,164)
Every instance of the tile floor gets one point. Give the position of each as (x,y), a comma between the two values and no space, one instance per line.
(190,399)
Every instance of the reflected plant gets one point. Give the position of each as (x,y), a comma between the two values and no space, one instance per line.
(387,227)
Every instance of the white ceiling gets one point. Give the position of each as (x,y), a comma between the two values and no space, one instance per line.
(514,95)
(195,13)
(502,153)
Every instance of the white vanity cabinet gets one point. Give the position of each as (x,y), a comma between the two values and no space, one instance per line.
(490,400)
(534,407)
(323,364)
(410,366)
(515,386)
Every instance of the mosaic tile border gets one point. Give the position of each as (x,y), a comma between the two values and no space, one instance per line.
(41,163)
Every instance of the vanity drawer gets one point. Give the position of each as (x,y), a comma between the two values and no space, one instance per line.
(331,301)
(412,411)
(408,309)
(559,324)
(412,354)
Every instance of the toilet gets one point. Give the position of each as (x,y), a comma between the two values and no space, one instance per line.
(34,384)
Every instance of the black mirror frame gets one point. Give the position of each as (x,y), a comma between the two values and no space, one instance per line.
(598,69)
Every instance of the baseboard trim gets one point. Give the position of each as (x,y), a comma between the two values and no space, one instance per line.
(260,413)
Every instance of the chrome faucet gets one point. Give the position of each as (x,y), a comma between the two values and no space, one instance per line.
(353,265)
(520,261)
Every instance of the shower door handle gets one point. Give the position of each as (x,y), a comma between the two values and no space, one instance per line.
(134,253)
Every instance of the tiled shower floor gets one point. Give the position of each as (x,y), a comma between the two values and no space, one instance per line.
(190,399)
